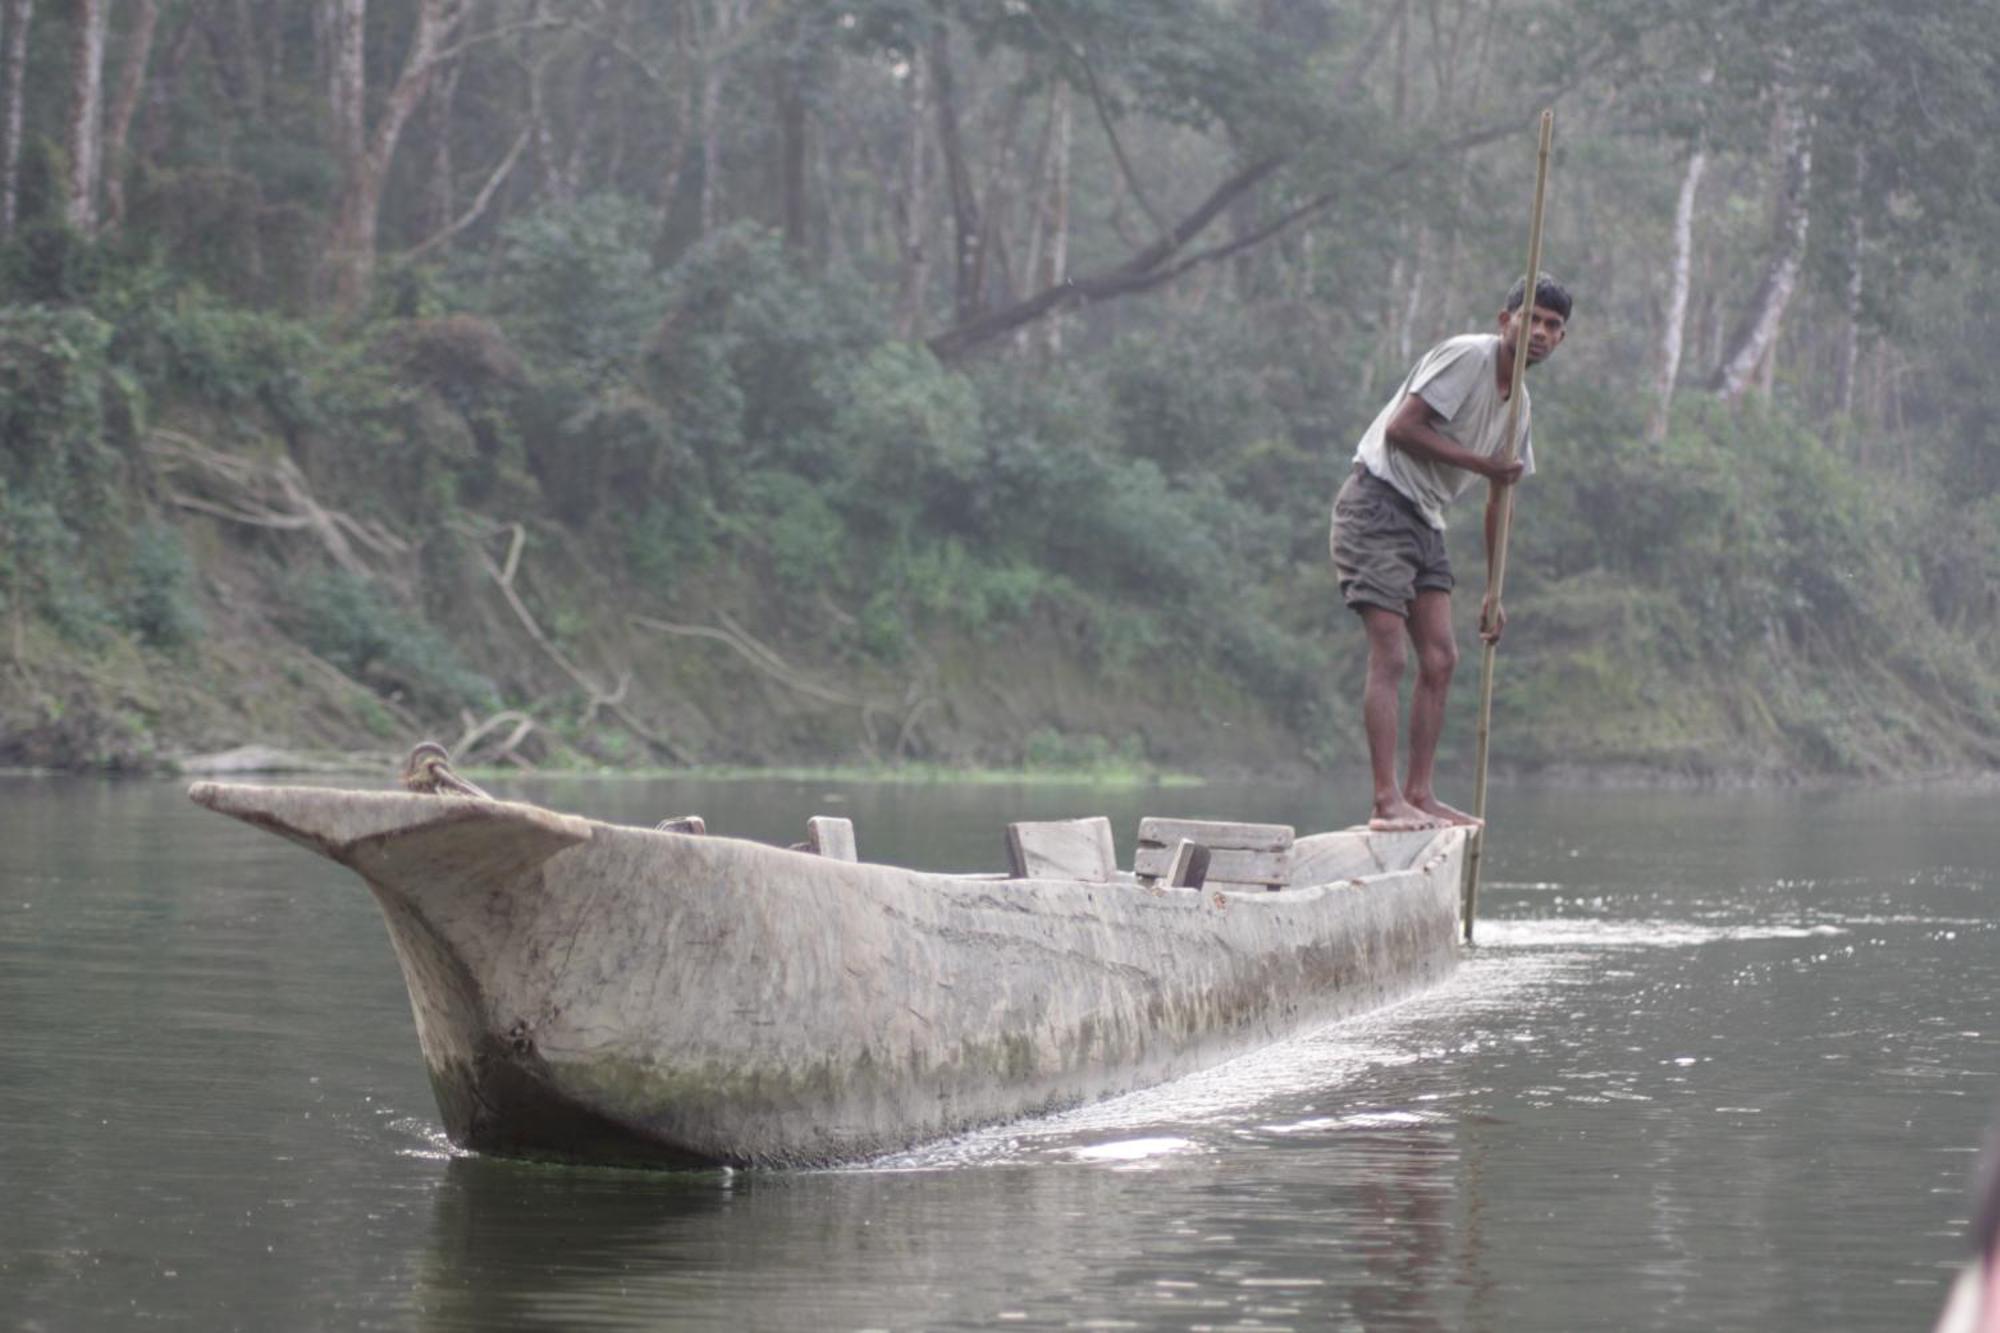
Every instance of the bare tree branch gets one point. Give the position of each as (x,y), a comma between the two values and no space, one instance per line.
(1135,274)
(480,202)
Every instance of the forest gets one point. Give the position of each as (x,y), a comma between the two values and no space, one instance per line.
(958,384)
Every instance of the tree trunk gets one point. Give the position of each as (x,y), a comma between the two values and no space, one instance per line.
(553,184)
(165,85)
(86,115)
(229,29)
(1056,266)
(1048,228)
(440,198)
(1758,329)
(958,181)
(249,59)
(674,172)
(1399,94)
(329,25)
(584,129)
(18,14)
(914,206)
(351,250)
(714,59)
(1052,226)
(1413,303)
(347,76)
(367,154)
(131,82)
(990,254)
(1680,276)
(1850,349)
(790,97)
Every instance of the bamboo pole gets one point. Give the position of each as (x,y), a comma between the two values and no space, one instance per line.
(1497,577)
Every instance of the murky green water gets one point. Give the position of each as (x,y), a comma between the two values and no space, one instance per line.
(1720,1062)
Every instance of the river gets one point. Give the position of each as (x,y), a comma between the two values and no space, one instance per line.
(1720,1061)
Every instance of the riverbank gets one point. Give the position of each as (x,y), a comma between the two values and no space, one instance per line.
(345,541)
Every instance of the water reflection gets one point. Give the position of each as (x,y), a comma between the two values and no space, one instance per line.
(1217,1229)
(514,1243)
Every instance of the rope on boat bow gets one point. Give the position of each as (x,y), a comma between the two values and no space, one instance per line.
(428,772)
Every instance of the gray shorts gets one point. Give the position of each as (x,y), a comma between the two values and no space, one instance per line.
(1383,550)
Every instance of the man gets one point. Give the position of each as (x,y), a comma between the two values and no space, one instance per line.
(1443,429)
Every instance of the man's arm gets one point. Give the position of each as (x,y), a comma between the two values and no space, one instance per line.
(1414,430)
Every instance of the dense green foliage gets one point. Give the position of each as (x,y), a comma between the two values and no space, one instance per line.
(716,401)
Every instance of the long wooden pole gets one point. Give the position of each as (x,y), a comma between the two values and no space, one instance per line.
(1497,576)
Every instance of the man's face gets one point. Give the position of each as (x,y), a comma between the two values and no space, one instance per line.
(1545,332)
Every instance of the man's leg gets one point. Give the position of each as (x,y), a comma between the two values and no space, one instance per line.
(1437,657)
(1380,704)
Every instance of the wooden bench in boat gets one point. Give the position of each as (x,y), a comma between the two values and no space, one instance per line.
(1062,849)
(831,835)
(826,835)
(1240,856)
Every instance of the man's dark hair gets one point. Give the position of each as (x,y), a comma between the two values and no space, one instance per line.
(1549,294)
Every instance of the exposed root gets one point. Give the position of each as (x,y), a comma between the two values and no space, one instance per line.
(270,495)
(477,731)
(755,653)
(335,676)
(503,574)
(767,661)
(910,720)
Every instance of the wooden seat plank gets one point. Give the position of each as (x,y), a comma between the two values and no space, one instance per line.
(1242,855)
(1079,849)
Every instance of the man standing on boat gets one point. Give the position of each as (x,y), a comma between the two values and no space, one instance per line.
(1442,429)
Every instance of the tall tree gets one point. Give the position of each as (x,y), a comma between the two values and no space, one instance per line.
(1756,334)
(366,152)
(1680,276)
(718,41)
(1857,235)
(913,198)
(125,104)
(17,14)
(1048,232)
(966,303)
(85,139)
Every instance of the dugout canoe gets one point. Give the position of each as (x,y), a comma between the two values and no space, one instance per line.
(589,992)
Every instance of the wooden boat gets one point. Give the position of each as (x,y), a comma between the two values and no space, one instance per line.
(596,993)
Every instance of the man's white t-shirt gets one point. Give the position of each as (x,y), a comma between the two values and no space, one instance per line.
(1456,378)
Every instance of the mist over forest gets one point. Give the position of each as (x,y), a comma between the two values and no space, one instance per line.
(643,382)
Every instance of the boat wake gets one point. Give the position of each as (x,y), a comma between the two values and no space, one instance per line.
(427,1140)
(1197,1113)
(1593,933)
(1490,999)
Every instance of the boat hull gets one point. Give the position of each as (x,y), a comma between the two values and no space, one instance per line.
(594,993)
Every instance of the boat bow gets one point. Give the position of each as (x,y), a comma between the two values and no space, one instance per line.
(343,825)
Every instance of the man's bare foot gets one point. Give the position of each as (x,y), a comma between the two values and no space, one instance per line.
(1445,814)
(1399,816)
